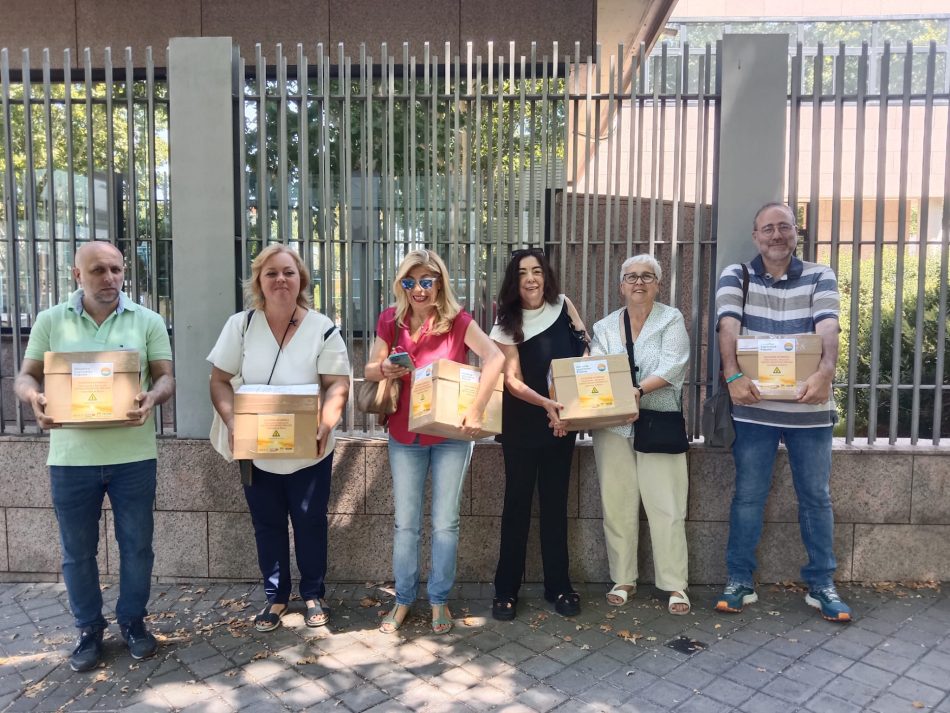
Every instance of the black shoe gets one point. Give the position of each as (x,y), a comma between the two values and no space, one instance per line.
(565,604)
(504,608)
(88,650)
(141,643)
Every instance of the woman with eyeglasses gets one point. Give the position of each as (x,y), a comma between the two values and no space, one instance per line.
(535,325)
(627,477)
(428,323)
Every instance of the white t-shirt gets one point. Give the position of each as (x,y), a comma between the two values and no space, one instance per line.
(304,358)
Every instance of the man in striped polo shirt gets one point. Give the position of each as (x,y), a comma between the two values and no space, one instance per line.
(785,296)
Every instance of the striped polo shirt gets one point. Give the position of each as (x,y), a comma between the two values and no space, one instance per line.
(792,304)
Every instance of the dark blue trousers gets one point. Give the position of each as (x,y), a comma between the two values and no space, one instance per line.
(303,496)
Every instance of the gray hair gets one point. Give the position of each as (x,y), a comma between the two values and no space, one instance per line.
(646,259)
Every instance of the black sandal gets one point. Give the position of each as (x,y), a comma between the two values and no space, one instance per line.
(317,615)
(268,619)
(504,608)
(566,603)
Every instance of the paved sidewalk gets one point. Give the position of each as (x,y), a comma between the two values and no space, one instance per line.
(777,656)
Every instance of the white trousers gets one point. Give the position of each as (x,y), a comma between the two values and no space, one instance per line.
(661,481)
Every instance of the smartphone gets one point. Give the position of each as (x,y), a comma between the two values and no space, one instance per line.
(402,359)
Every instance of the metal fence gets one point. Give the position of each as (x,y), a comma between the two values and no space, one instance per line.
(356,161)
(83,156)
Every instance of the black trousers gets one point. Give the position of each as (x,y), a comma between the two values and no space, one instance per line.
(548,466)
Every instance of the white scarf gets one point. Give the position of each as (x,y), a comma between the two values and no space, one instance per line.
(534,321)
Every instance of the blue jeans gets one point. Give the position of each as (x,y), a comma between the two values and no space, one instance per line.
(410,463)
(303,496)
(78,492)
(809,455)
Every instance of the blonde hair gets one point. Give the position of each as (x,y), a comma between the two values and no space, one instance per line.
(447,306)
(254,295)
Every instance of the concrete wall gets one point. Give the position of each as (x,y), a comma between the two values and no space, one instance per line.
(76,24)
(892,510)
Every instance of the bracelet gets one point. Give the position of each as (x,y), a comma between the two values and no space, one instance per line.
(642,392)
(737,375)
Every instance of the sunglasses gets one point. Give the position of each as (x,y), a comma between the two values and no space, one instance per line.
(425,283)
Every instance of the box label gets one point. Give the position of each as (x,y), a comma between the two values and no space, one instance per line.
(468,389)
(92,390)
(422,392)
(275,433)
(777,364)
(593,384)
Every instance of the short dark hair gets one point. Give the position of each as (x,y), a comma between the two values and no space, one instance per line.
(510,317)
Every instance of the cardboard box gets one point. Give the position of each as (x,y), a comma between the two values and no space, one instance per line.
(596,391)
(441,394)
(272,422)
(779,365)
(91,389)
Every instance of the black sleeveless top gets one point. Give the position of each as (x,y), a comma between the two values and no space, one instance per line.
(526,422)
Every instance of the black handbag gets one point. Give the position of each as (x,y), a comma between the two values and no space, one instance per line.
(579,339)
(655,431)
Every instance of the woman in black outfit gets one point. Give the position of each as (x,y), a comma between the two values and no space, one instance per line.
(535,325)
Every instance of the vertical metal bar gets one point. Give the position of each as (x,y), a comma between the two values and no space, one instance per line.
(656,153)
(565,138)
(283,229)
(93,230)
(132,192)
(794,126)
(239,84)
(413,170)
(326,197)
(263,182)
(897,340)
(29,189)
(52,271)
(532,139)
(698,193)
(432,237)
(592,197)
(608,188)
(635,61)
(641,112)
(809,248)
(12,231)
(856,232)
(70,167)
(923,239)
(153,177)
(712,354)
(943,278)
(453,173)
(339,262)
(499,171)
(878,242)
(617,125)
(304,223)
(479,194)
(679,183)
(111,202)
(585,232)
(838,157)
(575,101)
(511,173)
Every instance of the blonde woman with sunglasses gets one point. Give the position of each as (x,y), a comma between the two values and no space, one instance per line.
(428,323)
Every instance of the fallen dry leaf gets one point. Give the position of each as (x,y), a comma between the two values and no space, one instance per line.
(606,628)
(569,638)
(918,704)
(626,635)
(307,660)
(470,621)
(260,655)
(367,602)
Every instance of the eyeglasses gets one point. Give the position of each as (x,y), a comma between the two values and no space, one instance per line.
(425,283)
(783,228)
(647,278)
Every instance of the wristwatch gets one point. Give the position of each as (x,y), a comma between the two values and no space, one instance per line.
(642,392)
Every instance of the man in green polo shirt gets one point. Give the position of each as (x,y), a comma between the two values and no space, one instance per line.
(85,464)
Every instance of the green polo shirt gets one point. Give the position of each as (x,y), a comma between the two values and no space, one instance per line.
(67,328)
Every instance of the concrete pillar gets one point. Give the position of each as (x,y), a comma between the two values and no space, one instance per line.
(752,138)
(202,196)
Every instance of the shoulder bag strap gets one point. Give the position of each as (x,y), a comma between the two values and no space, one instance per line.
(745,288)
(633,362)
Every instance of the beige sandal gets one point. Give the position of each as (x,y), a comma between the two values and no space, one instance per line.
(621,593)
(390,623)
(678,598)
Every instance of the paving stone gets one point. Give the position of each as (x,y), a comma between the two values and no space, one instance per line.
(931,675)
(853,691)
(826,703)
(728,692)
(542,697)
(703,704)
(790,690)
(666,693)
(916,691)
(604,695)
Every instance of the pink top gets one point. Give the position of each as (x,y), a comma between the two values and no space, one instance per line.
(429,348)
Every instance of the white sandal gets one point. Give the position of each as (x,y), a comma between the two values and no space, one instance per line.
(621,594)
(675,599)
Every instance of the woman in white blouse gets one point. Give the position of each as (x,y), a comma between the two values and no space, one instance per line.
(661,349)
(282,341)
